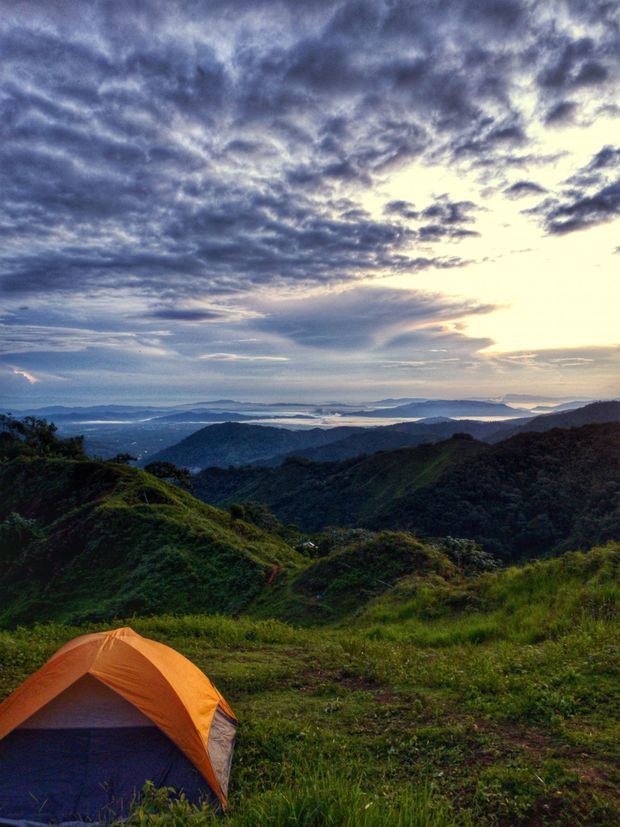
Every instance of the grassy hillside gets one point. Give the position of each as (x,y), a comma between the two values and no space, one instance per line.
(353,492)
(100,540)
(448,702)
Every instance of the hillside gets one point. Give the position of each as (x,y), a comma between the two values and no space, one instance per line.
(352,492)
(391,437)
(81,539)
(232,443)
(445,703)
(535,493)
(446,407)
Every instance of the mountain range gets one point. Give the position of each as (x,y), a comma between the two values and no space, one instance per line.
(533,493)
(246,444)
(445,407)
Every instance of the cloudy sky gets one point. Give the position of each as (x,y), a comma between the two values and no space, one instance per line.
(308,199)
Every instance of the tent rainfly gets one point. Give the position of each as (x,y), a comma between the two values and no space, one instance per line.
(108,712)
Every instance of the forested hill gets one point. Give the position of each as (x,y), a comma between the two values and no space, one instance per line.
(595,413)
(232,443)
(352,492)
(532,494)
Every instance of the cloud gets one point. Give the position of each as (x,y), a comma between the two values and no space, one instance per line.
(29,377)
(589,197)
(24,338)
(562,112)
(188,152)
(558,360)
(448,219)
(575,63)
(240,357)
(586,210)
(185,315)
(523,188)
(359,318)
(180,164)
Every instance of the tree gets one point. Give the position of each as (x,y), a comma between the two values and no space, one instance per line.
(123,459)
(32,436)
(169,472)
(468,555)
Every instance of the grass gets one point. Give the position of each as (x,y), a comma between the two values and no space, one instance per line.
(484,701)
(114,541)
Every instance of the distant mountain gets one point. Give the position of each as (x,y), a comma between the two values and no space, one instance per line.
(391,437)
(232,443)
(564,406)
(353,492)
(446,407)
(143,432)
(103,413)
(205,416)
(529,398)
(402,400)
(596,412)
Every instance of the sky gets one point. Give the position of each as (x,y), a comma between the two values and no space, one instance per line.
(308,200)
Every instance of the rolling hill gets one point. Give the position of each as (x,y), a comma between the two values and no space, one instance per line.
(232,443)
(352,492)
(532,494)
(407,689)
(391,437)
(594,413)
(88,540)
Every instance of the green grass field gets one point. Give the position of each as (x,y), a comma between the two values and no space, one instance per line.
(443,701)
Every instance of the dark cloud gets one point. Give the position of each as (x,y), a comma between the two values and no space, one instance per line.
(182,150)
(574,63)
(584,211)
(372,315)
(522,188)
(185,315)
(401,208)
(608,157)
(446,218)
(590,197)
(561,113)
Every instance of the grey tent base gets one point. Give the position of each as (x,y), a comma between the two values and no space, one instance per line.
(89,776)
(8,823)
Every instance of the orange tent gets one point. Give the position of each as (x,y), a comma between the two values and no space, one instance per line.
(163,688)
